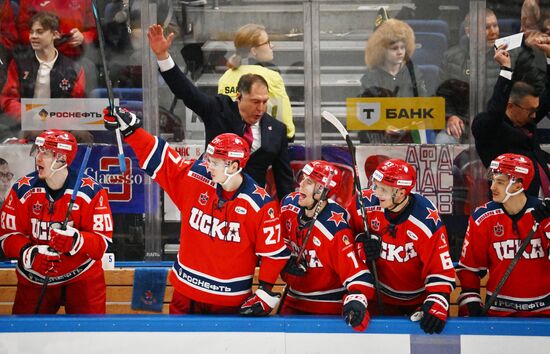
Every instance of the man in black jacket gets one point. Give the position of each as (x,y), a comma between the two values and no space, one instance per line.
(510,122)
(221,114)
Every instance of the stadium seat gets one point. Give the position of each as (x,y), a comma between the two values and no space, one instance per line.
(430,47)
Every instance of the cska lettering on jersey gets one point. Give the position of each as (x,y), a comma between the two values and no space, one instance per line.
(213,227)
(507,249)
(401,254)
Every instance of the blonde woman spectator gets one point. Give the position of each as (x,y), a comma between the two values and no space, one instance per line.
(253,51)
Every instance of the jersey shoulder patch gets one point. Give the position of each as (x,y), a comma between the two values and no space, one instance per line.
(425,214)
(256,195)
(333,217)
(486,210)
(26,183)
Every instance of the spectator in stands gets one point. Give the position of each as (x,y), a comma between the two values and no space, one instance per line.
(388,57)
(41,71)
(456,66)
(254,47)
(245,117)
(495,232)
(77,31)
(5,179)
(8,38)
(510,122)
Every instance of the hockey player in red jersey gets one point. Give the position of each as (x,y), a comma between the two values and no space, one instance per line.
(495,232)
(228,223)
(30,231)
(408,242)
(328,278)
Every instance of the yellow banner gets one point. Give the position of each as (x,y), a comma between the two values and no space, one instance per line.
(404,113)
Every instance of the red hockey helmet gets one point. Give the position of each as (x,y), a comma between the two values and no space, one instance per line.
(58,141)
(396,173)
(230,147)
(319,171)
(515,166)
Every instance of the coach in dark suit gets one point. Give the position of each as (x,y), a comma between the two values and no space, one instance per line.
(246,117)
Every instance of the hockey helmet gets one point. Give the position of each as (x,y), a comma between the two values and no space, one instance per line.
(59,142)
(396,173)
(514,165)
(230,147)
(320,172)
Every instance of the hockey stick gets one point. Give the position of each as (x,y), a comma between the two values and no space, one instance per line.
(342,130)
(510,268)
(76,187)
(111,97)
(302,249)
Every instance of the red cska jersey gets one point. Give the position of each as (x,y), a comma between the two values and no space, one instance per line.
(415,258)
(332,266)
(492,240)
(29,210)
(220,240)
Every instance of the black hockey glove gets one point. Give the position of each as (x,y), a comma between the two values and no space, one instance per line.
(433,313)
(294,268)
(469,303)
(542,211)
(371,246)
(121,118)
(355,311)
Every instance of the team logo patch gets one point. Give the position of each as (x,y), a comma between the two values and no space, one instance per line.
(288,225)
(434,215)
(337,218)
(271,213)
(37,208)
(203,198)
(345,239)
(498,229)
(260,191)
(65,85)
(240,210)
(412,235)
(375,224)
(316,241)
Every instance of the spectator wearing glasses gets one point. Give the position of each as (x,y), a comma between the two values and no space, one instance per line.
(510,123)
(254,53)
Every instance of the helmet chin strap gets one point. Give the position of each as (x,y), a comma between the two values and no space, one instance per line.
(229,175)
(509,194)
(315,201)
(395,204)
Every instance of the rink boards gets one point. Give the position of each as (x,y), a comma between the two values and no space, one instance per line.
(291,335)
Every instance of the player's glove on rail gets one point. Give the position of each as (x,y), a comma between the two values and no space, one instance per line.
(121,118)
(68,241)
(469,303)
(433,313)
(542,211)
(355,311)
(39,258)
(293,267)
(260,303)
(368,248)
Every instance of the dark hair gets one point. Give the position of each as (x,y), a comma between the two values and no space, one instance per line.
(3,161)
(47,19)
(377,91)
(246,81)
(520,89)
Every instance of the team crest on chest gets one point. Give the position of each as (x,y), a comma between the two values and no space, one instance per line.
(37,208)
(203,198)
(498,229)
(375,224)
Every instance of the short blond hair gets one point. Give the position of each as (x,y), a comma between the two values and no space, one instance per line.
(247,37)
(390,32)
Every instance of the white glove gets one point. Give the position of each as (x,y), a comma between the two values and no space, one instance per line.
(65,241)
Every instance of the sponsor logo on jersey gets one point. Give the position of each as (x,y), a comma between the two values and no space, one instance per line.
(395,253)
(316,241)
(203,198)
(375,224)
(412,235)
(214,227)
(240,210)
(498,230)
(507,249)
